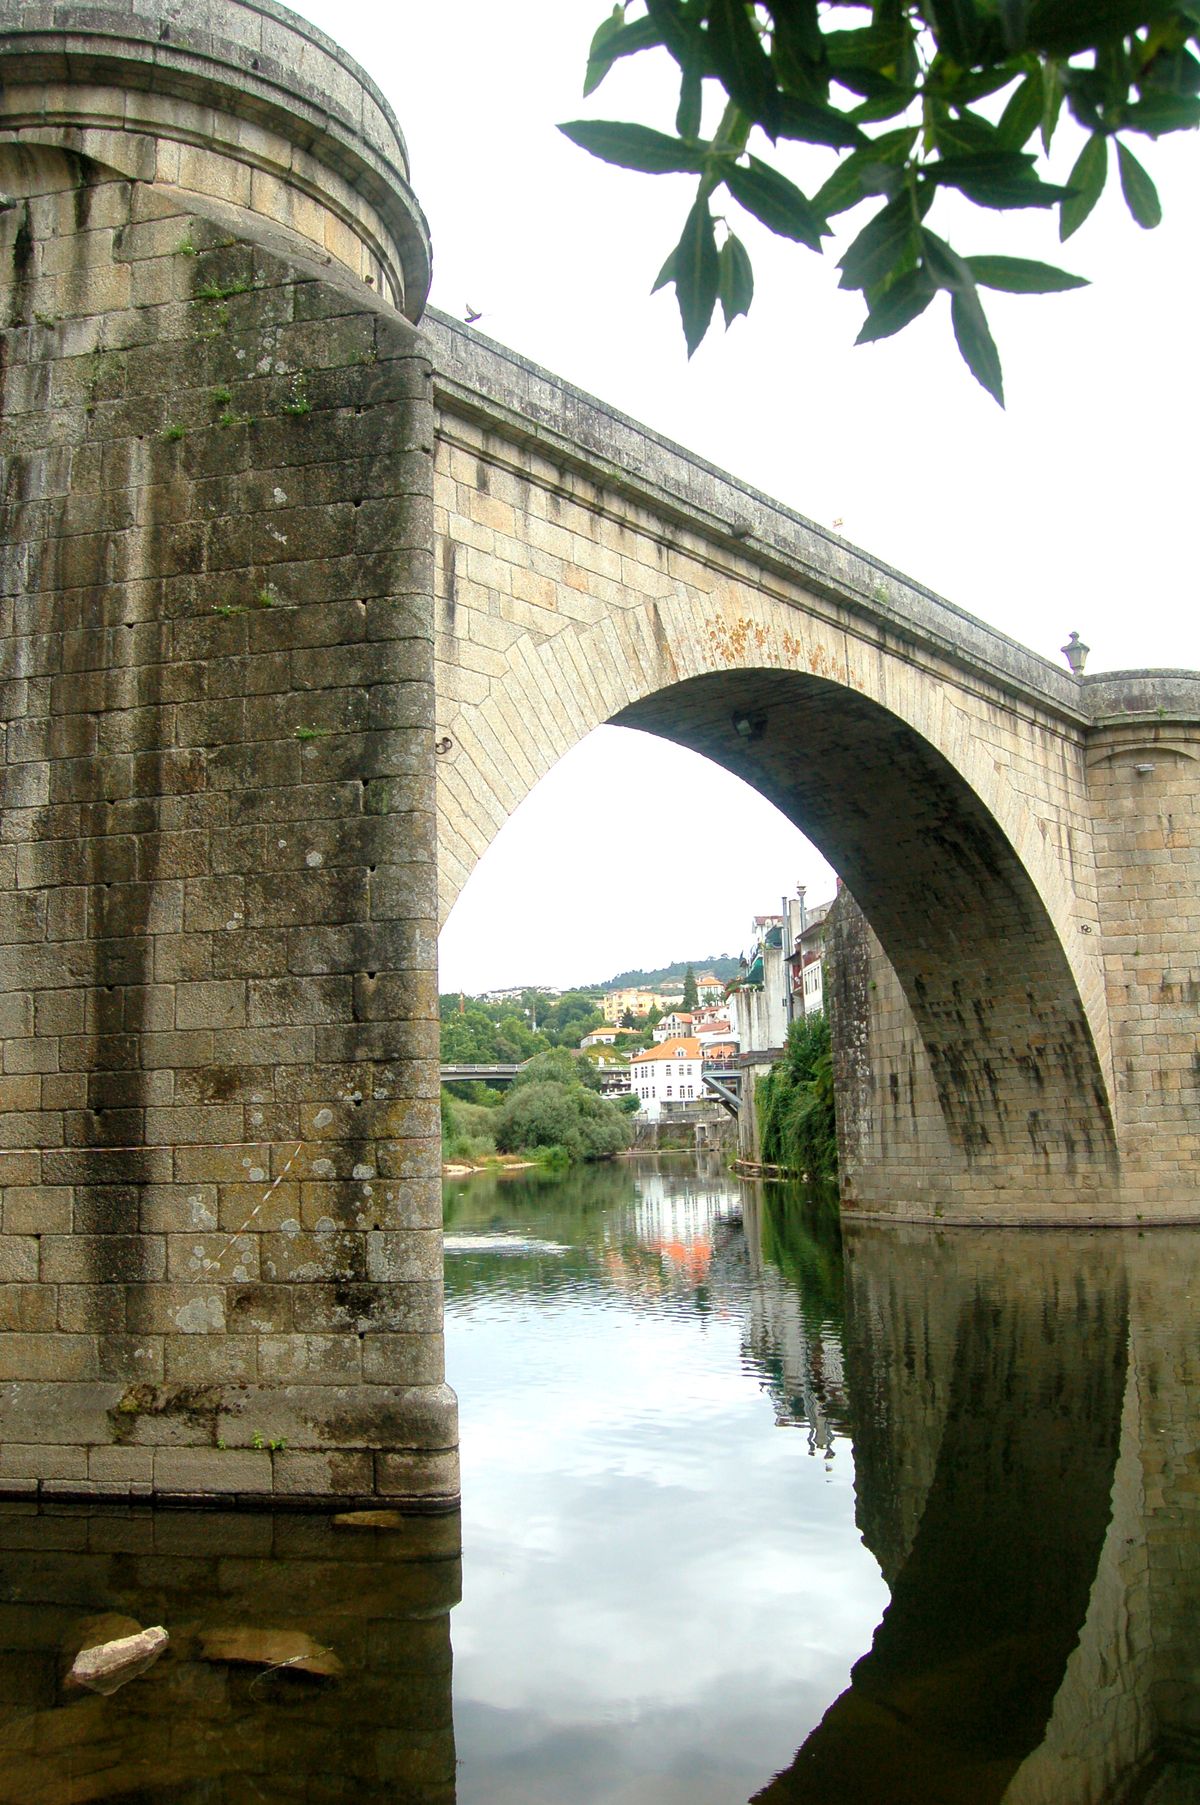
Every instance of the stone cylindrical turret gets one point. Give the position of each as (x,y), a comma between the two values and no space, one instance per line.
(235,100)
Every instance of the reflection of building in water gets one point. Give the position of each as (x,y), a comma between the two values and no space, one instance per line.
(679,1206)
(794,1328)
(802,1361)
(709,1234)
(667,1241)
(218,1717)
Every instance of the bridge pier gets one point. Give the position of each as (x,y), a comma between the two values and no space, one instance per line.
(220,1257)
(900,1110)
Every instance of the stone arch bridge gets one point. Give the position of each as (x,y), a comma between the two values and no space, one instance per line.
(298,602)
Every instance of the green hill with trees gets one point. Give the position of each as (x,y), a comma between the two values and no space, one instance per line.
(721,965)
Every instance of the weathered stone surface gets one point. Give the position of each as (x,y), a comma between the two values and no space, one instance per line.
(193,1127)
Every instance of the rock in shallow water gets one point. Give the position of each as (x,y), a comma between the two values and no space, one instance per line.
(107,1665)
(251,1647)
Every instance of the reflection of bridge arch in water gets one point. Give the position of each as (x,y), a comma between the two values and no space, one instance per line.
(1025,1456)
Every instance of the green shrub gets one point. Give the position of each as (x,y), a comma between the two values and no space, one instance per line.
(796,1115)
(543,1113)
(558,1066)
(466,1129)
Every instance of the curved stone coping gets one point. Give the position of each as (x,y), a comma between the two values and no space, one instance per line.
(251,59)
(1113,696)
(476,375)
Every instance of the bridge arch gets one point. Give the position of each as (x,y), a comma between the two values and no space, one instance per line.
(889,774)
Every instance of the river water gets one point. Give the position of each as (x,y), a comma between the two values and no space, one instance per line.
(750,1512)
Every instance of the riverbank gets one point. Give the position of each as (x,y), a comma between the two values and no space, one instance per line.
(493,1162)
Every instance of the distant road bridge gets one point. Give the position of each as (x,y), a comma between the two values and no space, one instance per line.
(495,1073)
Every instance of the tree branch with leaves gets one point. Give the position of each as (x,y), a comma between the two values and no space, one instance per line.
(932,72)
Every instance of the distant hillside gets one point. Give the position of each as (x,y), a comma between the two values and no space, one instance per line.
(721,965)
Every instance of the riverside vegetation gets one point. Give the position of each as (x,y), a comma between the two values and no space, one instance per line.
(553,1113)
(796,1116)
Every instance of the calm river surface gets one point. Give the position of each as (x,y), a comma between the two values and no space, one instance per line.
(748,1514)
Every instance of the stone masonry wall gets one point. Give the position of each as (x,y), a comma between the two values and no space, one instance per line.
(220,1255)
(1143,777)
(888,1115)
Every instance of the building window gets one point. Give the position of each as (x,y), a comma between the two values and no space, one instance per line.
(668,1090)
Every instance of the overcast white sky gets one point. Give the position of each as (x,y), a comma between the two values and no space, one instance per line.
(1075,508)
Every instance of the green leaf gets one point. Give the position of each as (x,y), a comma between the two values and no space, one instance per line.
(776,201)
(1159,113)
(882,246)
(689,116)
(1002,181)
(666,273)
(634,146)
(1087,178)
(1023,113)
(817,125)
(741,63)
(887,105)
(946,268)
(897,306)
(976,343)
(1141,196)
(873,170)
(1022,276)
(735,281)
(797,43)
(964,134)
(697,273)
(959,30)
(733,131)
(1014,24)
(1052,99)
(613,40)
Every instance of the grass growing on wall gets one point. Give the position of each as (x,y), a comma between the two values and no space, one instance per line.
(797,1123)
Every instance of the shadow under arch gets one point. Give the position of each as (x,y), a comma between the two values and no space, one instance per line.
(960,914)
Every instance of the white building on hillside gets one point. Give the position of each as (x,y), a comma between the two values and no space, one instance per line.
(716,1035)
(607,1036)
(671,1026)
(667,1075)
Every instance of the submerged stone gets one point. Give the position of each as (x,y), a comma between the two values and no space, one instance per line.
(106,1666)
(251,1647)
(369,1519)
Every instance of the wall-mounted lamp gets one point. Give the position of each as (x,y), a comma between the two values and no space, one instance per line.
(749,727)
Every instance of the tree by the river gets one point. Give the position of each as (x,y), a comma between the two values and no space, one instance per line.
(971,93)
